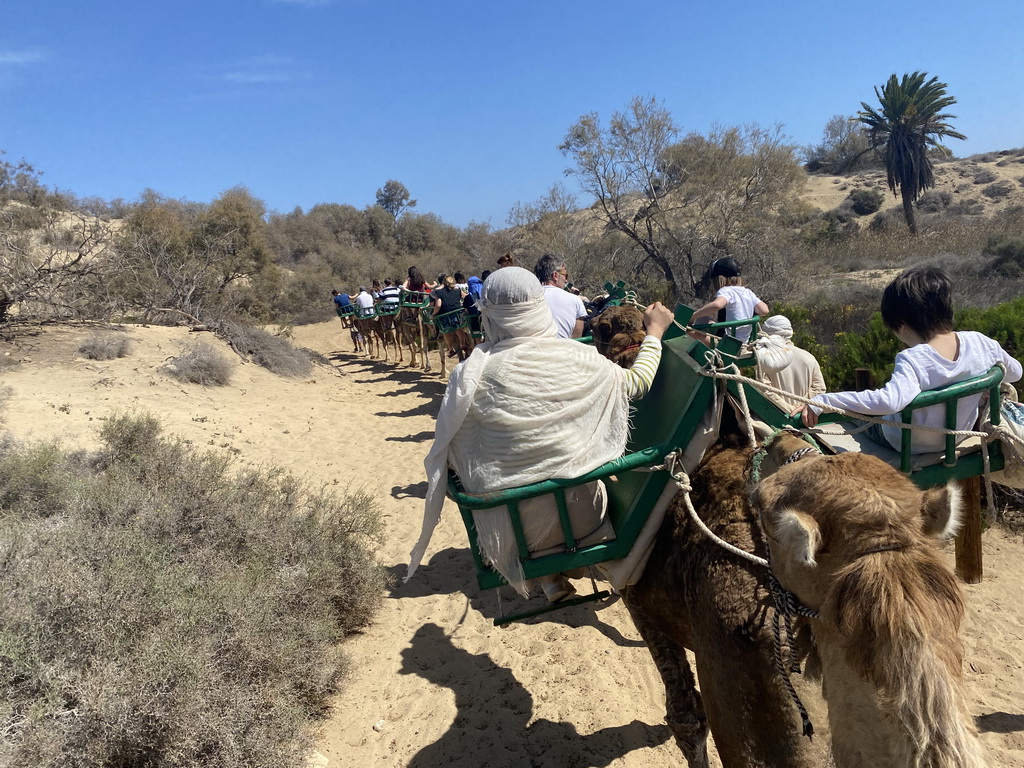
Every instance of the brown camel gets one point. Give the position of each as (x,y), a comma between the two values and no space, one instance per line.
(695,595)
(854,540)
(412,332)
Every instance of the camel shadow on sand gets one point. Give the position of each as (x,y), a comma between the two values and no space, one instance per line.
(493,724)
(451,570)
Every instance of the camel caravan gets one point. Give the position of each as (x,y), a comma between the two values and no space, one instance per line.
(795,556)
(414,314)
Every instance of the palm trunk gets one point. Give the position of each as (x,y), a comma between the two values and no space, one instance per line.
(908,210)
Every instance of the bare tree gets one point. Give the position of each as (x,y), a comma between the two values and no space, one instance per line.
(682,204)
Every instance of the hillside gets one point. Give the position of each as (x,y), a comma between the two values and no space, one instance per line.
(982,185)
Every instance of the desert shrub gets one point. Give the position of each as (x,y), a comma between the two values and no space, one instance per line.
(865,201)
(998,190)
(891,220)
(167,611)
(5,398)
(1008,251)
(201,364)
(985,176)
(105,346)
(934,201)
(276,354)
(969,206)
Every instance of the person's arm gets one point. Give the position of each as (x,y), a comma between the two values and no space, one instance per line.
(437,307)
(640,375)
(1013,368)
(761,309)
(896,395)
(711,309)
(577,330)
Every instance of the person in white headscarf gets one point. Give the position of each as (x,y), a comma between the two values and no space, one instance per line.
(784,365)
(528,406)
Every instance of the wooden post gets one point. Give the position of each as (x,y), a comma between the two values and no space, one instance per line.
(863,379)
(968,540)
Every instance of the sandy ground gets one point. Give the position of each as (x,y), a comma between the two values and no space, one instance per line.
(434,683)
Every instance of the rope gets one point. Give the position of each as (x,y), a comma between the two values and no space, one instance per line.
(786,607)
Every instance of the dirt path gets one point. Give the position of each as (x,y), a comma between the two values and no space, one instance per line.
(433,682)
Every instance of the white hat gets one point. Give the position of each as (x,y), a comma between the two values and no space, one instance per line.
(778,325)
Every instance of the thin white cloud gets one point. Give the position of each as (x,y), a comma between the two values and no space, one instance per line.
(257,77)
(21,58)
(265,69)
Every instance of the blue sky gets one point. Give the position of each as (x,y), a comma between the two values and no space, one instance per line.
(308,101)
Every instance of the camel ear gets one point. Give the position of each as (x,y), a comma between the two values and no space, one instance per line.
(941,511)
(800,536)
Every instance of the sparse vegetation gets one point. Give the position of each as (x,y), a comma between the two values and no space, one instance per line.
(105,346)
(163,609)
(865,201)
(274,353)
(201,364)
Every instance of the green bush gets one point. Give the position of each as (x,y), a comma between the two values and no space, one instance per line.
(105,346)
(201,364)
(161,609)
(865,201)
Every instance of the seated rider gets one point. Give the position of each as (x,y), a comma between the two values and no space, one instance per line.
(528,406)
(917,307)
(733,300)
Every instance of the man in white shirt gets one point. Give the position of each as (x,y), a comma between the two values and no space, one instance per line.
(364,301)
(567,309)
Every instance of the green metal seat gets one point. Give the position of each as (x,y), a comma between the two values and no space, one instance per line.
(666,420)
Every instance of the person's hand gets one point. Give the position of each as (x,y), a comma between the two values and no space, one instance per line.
(808,414)
(657,319)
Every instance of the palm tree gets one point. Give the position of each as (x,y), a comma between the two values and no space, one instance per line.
(910,122)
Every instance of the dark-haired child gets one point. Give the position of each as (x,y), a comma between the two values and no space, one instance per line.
(917,307)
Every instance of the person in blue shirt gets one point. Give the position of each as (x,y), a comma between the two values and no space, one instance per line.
(343,306)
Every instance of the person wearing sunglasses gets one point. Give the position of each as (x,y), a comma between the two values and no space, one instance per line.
(567,309)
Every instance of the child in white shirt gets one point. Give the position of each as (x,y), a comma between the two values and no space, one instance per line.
(738,301)
(917,307)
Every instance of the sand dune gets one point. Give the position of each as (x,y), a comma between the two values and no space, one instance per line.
(434,683)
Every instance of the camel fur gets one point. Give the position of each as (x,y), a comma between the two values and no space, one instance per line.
(855,540)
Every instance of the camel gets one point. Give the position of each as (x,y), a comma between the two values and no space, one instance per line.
(887,631)
(854,540)
(412,332)
(695,595)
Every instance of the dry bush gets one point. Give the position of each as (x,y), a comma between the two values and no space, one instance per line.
(985,176)
(162,609)
(998,190)
(201,364)
(5,397)
(105,346)
(276,354)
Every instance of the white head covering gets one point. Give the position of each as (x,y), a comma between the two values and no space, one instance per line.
(774,346)
(778,325)
(513,306)
(525,406)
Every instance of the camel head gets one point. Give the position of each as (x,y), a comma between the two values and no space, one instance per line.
(825,514)
(618,333)
(855,540)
